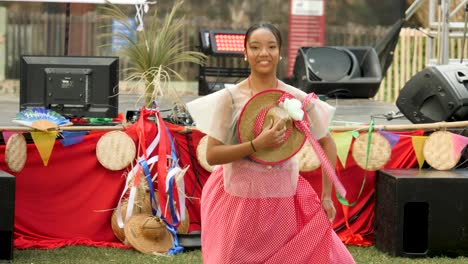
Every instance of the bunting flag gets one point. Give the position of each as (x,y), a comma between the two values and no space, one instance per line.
(44,142)
(392,138)
(343,143)
(72,137)
(418,144)
(458,143)
(7,134)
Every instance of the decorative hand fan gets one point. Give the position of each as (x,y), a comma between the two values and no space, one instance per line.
(41,119)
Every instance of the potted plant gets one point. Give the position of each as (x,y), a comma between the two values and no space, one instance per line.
(153,49)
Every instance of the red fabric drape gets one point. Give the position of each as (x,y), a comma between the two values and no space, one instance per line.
(70,201)
(361,215)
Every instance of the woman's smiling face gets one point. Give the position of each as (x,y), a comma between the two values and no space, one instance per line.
(263,51)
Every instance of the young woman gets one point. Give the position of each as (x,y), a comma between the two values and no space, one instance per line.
(257,213)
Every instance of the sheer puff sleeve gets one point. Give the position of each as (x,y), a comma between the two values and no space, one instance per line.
(213,115)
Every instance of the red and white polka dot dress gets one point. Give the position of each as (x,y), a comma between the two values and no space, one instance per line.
(292,229)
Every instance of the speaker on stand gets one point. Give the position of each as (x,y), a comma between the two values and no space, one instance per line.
(346,72)
(435,94)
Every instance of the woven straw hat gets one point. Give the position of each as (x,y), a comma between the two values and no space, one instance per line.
(247,120)
(115,150)
(308,160)
(201,154)
(148,234)
(16,152)
(438,151)
(379,153)
(140,207)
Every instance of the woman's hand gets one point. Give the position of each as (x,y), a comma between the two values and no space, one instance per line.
(271,136)
(329,208)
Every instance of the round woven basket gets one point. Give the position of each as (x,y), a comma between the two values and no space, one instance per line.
(16,152)
(379,152)
(308,160)
(438,151)
(115,150)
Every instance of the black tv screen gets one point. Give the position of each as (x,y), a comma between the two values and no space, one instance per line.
(73,86)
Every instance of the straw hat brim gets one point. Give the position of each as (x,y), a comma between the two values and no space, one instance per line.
(438,151)
(246,123)
(379,153)
(115,150)
(201,154)
(16,152)
(148,234)
(143,207)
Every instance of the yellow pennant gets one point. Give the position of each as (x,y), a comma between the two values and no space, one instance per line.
(44,142)
(418,144)
(343,143)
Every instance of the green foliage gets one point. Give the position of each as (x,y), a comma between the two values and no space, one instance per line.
(154,51)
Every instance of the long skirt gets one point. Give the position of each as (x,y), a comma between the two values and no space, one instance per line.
(292,229)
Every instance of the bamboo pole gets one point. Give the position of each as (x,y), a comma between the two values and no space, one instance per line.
(437,125)
(66,128)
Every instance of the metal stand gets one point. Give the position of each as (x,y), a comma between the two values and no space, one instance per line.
(440,29)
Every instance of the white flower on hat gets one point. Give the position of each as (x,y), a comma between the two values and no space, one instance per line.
(294,108)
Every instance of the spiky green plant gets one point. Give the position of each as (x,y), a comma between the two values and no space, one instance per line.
(154,51)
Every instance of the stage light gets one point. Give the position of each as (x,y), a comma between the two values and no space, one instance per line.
(222,42)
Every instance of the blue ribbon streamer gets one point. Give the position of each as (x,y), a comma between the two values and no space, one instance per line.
(171,204)
(146,170)
(176,248)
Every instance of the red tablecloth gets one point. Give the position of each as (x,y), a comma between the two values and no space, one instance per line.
(70,201)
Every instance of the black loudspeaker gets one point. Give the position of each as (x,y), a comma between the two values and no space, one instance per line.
(7,214)
(349,72)
(435,94)
(421,212)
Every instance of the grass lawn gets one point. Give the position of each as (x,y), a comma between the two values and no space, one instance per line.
(82,254)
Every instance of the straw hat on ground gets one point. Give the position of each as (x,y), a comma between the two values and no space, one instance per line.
(16,152)
(140,207)
(249,119)
(115,150)
(148,234)
(438,151)
(379,152)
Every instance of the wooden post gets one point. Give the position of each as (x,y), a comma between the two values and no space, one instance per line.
(3,24)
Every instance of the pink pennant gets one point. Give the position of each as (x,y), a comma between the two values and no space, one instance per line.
(459,142)
(7,135)
(392,138)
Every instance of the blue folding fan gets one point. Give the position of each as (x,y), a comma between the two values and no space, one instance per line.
(41,119)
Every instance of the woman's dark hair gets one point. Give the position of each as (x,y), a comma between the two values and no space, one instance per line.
(268,26)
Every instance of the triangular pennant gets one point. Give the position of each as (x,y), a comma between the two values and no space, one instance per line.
(72,137)
(459,142)
(418,144)
(7,134)
(44,142)
(343,143)
(391,137)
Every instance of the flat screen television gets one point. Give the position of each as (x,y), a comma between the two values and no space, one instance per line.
(73,86)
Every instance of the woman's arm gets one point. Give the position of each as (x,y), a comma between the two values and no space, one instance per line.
(219,153)
(329,147)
